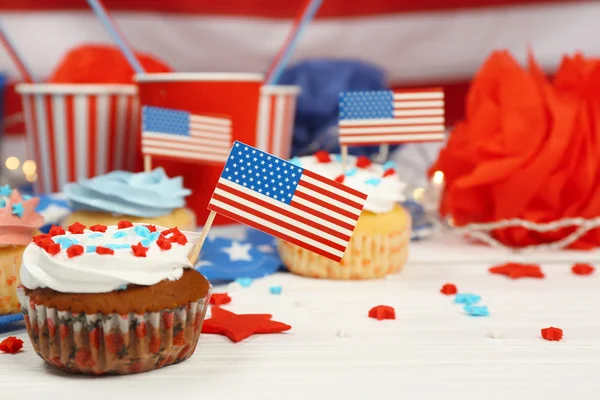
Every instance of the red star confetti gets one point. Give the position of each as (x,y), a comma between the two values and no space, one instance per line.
(238,327)
(76,228)
(104,250)
(552,334)
(52,248)
(151,228)
(340,178)
(449,289)
(322,156)
(163,243)
(516,270)
(11,345)
(389,172)
(219,299)
(124,224)
(139,250)
(98,228)
(382,312)
(582,269)
(56,231)
(42,240)
(74,250)
(363,162)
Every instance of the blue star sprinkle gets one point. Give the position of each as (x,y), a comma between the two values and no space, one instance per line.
(17,209)
(153,237)
(142,231)
(2,203)
(122,287)
(119,234)
(275,289)
(337,157)
(95,235)
(5,190)
(90,249)
(351,172)
(467,298)
(117,246)
(477,311)
(373,181)
(244,282)
(65,242)
(389,165)
(296,161)
(146,242)
(26,197)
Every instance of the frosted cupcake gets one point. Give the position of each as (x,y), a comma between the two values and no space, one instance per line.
(18,223)
(150,197)
(379,244)
(113,300)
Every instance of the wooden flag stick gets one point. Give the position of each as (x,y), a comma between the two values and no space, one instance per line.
(147,163)
(205,229)
(384,153)
(344,158)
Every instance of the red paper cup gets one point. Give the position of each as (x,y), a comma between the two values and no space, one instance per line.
(78,131)
(262,116)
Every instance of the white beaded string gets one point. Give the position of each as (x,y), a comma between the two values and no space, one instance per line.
(481,231)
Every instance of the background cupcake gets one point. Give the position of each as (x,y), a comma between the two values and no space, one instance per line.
(149,197)
(18,223)
(113,300)
(379,244)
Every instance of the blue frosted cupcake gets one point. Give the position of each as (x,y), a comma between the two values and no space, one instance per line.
(147,197)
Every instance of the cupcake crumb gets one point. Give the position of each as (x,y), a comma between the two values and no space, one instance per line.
(342,334)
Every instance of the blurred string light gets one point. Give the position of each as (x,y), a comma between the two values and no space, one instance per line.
(29,167)
(12,163)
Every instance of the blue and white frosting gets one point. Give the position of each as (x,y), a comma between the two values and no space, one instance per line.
(146,194)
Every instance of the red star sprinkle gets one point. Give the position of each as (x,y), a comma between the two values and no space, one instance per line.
(219,299)
(39,239)
(56,230)
(139,250)
(363,162)
(52,249)
(175,236)
(163,243)
(104,250)
(340,178)
(98,228)
(151,228)
(552,333)
(582,269)
(75,250)
(238,327)
(516,270)
(124,224)
(76,228)
(389,172)
(11,345)
(382,312)
(449,289)
(322,156)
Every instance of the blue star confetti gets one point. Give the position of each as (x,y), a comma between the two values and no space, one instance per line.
(275,289)
(244,281)
(351,172)
(95,235)
(65,241)
(142,231)
(467,298)
(477,311)
(90,249)
(119,234)
(373,181)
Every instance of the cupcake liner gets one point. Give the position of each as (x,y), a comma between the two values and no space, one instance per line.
(10,266)
(115,344)
(368,256)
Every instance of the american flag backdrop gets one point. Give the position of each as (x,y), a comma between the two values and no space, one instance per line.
(176,134)
(382,117)
(80,133)
(287,201)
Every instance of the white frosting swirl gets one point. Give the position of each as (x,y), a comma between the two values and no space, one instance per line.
(383,195)
(95,273)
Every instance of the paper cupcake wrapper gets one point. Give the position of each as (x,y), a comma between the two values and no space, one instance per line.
(367,257)
(115,344)
(10,265)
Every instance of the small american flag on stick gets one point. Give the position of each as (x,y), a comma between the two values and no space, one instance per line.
(287,201)
(175,134)
(391,117)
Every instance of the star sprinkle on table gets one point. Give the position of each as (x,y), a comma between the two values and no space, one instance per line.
(517,271)
(238,327)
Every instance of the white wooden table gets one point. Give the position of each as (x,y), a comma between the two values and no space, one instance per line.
(431,351)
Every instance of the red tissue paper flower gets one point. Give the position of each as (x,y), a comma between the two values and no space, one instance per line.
(528,148)
(552,333)
(11,345)
(382,312)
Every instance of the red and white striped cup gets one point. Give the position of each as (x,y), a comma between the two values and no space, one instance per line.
(261,116)
(78,131)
